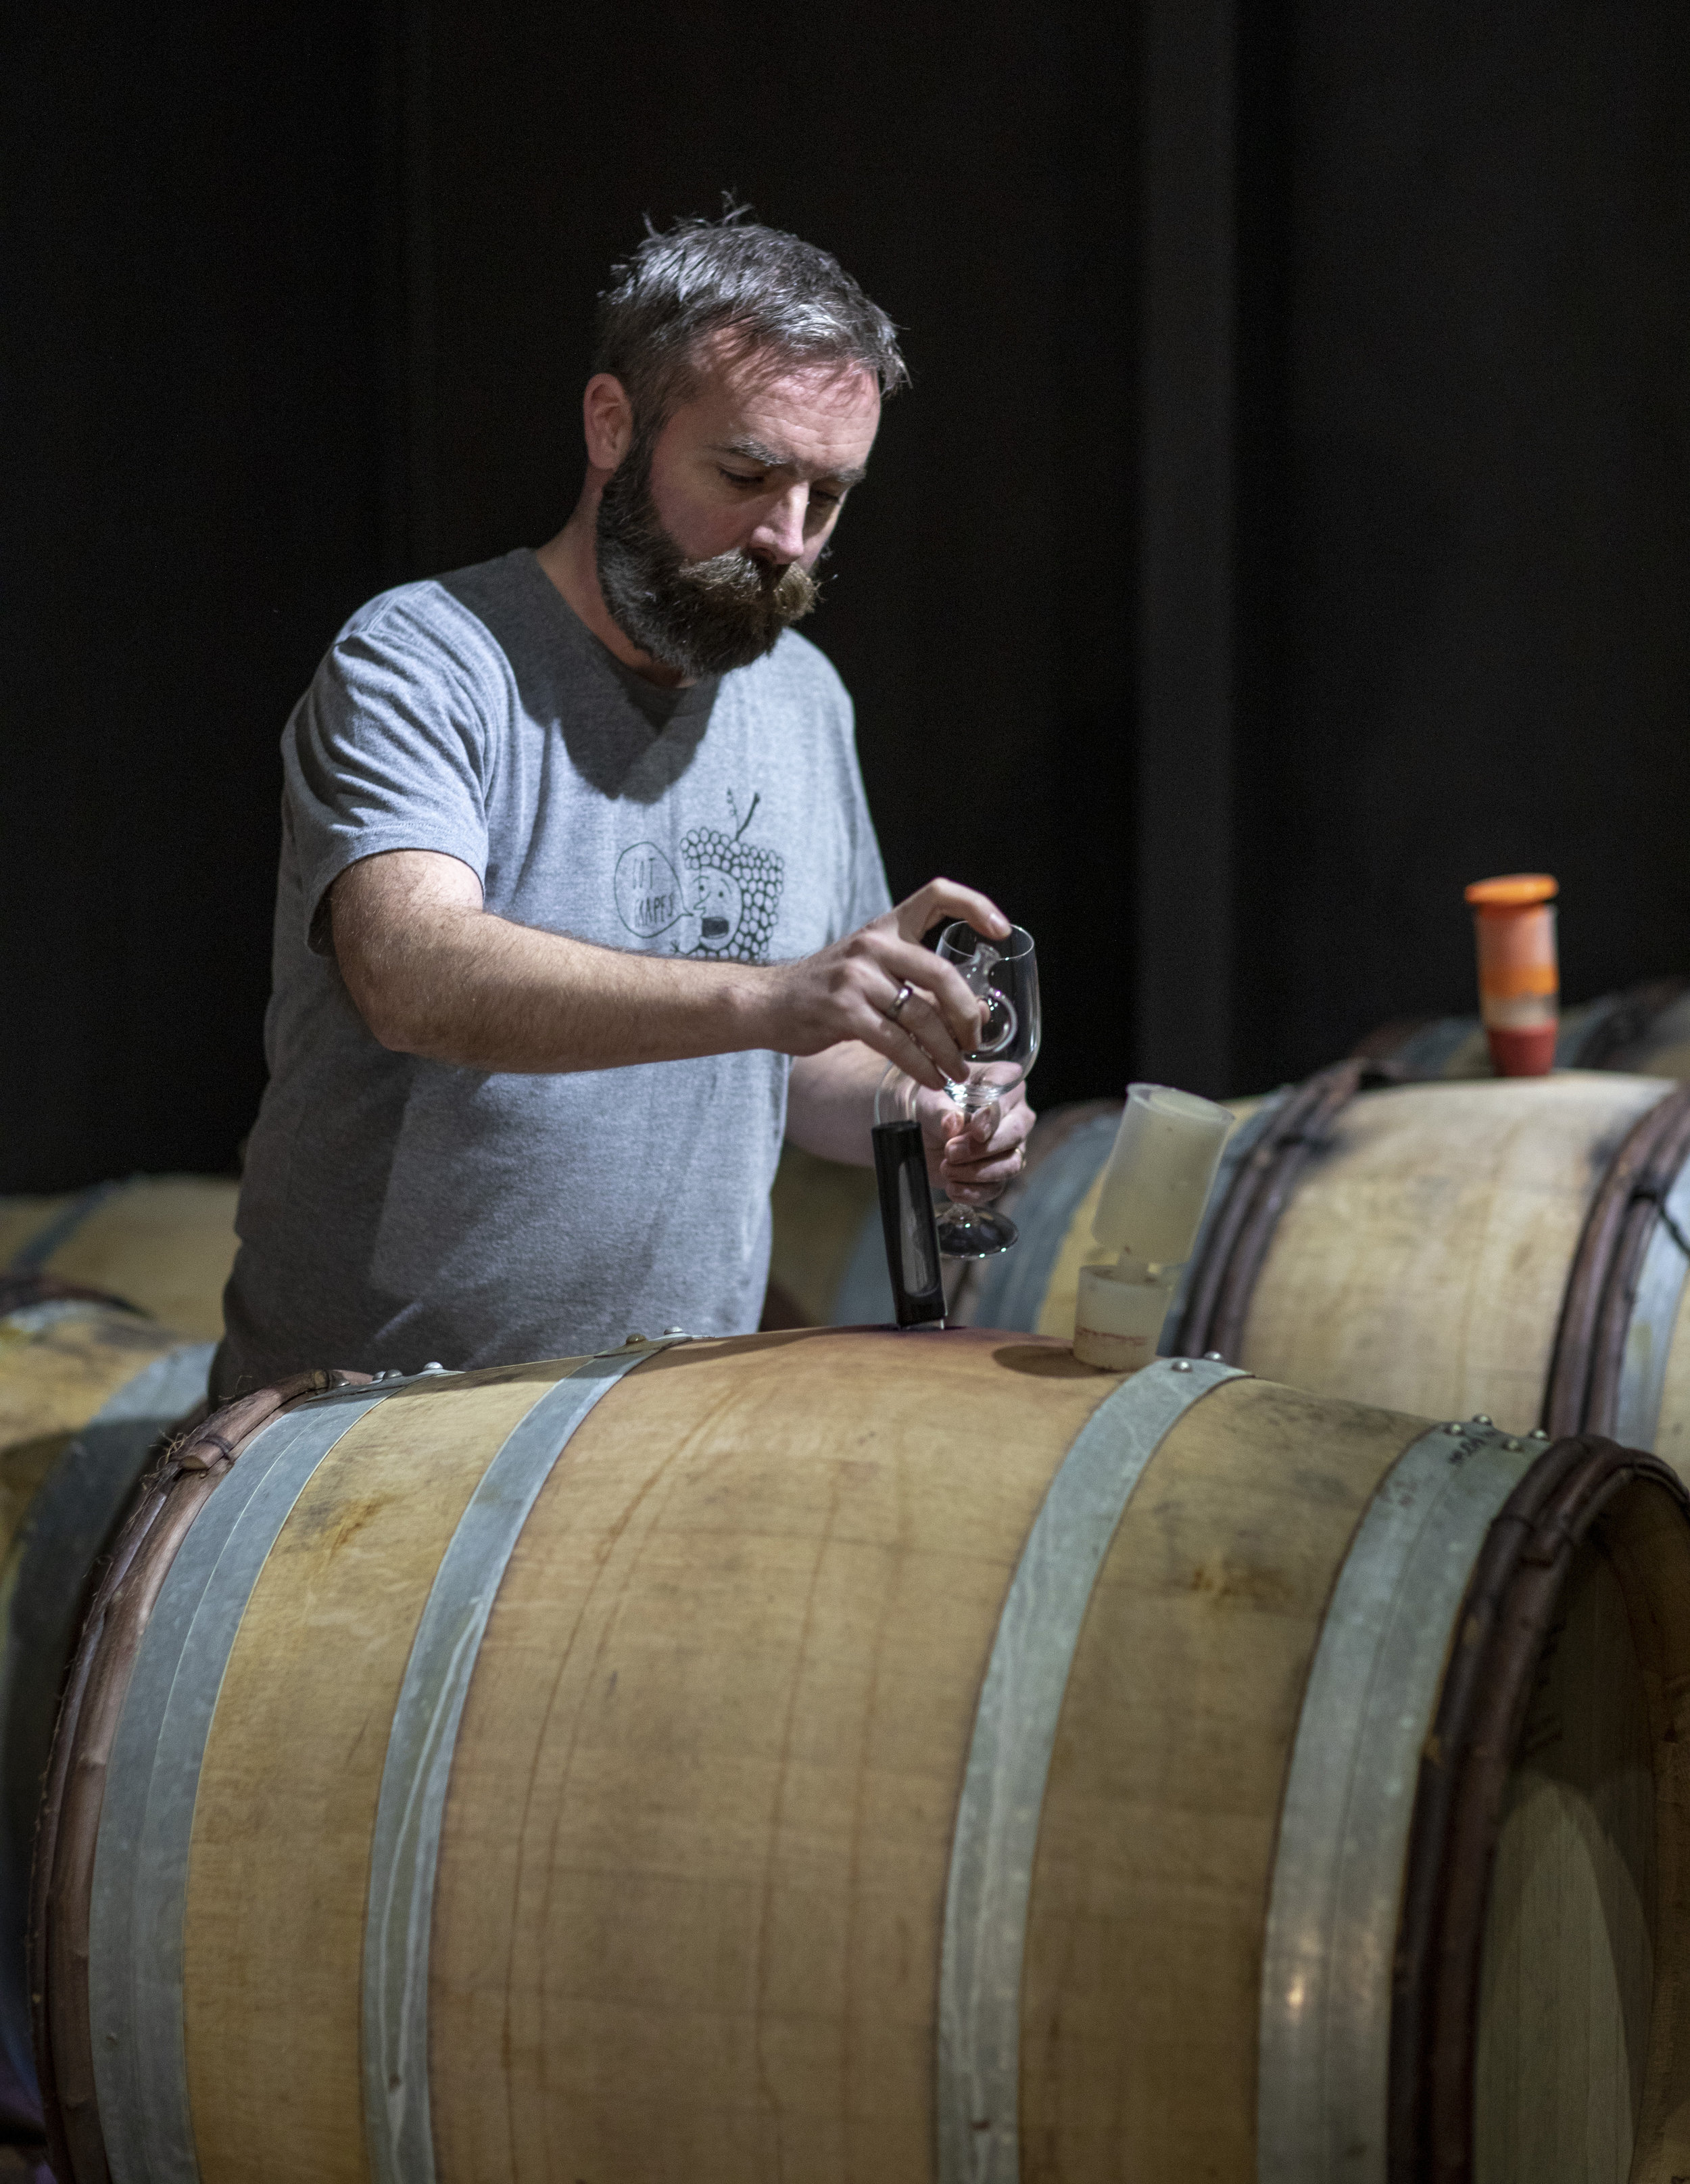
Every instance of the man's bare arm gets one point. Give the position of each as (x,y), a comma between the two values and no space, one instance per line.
(434,973)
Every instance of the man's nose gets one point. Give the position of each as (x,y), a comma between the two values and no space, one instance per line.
(779,537)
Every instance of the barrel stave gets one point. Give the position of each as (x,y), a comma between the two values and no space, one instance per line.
(1156,1850)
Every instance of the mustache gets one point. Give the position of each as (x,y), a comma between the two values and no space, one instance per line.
(738,579)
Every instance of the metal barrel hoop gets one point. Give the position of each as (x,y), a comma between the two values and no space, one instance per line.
(1393,1798)
(32,1255)
(58,1559)
(1649,1220)
(112,1872)
(421,1746)
(1347,1805)
(1586,1367)
(996,1837)
(167,1503)
(1236,1243)
(22,1288)
(1505,1618)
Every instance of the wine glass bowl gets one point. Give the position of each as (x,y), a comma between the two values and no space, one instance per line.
(1002,975)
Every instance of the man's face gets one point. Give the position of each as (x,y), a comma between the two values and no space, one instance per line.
(705,542)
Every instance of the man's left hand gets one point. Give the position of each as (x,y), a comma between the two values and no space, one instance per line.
(971,1157)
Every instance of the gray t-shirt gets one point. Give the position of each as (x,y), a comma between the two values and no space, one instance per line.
(395,1210)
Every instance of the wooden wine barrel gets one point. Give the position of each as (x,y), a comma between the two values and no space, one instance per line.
(1643,1030)
(848,1757)
(164,1243)
(1517,1246)
(85,1390)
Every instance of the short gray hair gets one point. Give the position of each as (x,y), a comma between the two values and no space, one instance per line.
(704,276)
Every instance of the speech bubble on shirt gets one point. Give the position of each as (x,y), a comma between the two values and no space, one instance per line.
(649,896)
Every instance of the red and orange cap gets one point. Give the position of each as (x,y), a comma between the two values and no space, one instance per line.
(1512,891)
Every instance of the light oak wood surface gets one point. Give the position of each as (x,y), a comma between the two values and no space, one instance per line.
(1421,1262)
(279,1859)
(686,1917)
(162,1243)
(1141,1992)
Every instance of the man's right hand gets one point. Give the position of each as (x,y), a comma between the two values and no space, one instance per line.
(852,989)
(434,973)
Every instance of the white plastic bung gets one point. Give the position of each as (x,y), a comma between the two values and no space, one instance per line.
(1159,1175)
(1118,1325)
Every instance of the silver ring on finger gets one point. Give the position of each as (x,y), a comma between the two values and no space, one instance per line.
(898,1001)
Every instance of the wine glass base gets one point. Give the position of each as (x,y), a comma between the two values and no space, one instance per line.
(973,1231)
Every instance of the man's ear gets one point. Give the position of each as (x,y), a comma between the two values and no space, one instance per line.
(608,419)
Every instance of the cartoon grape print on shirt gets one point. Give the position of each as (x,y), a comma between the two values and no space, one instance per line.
(722,907)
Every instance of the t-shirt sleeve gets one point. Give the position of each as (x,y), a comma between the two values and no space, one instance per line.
(865,894)
(388,748)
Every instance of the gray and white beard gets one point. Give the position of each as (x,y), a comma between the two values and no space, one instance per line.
(697,617)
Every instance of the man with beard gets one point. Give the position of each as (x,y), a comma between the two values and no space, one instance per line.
(580,905)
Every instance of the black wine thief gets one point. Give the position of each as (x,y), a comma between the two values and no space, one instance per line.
(912,1240)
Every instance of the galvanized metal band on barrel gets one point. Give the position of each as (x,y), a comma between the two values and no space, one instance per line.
(1009,1759)
(1242,1143)
(73,1512)
(405,1851)
(1652,1317)
(1608,1361)
(1371,1695)
(141,1863)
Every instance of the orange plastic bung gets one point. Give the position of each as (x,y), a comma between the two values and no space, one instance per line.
(1513,924)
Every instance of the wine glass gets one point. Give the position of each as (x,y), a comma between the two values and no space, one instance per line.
(1003,977)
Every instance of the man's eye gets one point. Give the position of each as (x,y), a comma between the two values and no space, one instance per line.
(828,500)
(740,477)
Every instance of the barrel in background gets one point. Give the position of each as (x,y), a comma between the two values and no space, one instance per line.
(162,1243)
(1422,1254)
(1642,1030)
(86,1392)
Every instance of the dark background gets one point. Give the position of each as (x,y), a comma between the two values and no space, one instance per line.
(1288,524)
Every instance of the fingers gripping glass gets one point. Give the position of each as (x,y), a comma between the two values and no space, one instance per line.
(1003,976)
